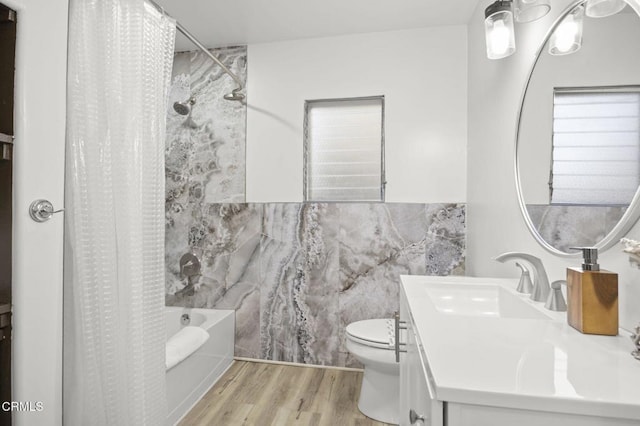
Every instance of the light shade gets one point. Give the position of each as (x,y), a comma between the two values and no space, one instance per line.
(498,28)
(604,8)
(567,37)
(531,10)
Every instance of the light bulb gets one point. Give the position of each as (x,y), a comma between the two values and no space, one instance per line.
(500,38)
(567,37)
(498,26)
(566,34)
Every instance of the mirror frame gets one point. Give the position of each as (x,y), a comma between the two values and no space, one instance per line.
(630,216)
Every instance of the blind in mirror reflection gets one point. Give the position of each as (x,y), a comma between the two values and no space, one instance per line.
(596,146)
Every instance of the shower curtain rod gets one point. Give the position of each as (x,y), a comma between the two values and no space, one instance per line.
(200,46)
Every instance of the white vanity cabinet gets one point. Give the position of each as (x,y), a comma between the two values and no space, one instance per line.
(481,415)
(418,405)
(462,369)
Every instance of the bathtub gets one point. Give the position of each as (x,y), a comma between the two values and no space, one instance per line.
(189,380)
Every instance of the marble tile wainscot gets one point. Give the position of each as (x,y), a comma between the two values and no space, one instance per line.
(574,226)
(298,273)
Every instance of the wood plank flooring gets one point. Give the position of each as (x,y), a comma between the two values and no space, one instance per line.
(254,393)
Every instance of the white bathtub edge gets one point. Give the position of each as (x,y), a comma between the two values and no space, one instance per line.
(201,391)
(219,348)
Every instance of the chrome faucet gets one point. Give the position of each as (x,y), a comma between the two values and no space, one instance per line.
(555,301)
(185,270)
(189,268)
(541,288)
(189,265)
(524,285)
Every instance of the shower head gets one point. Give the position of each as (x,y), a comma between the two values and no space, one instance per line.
(235,95)
(184,108)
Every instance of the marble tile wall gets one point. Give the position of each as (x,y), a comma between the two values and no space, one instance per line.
(298,273)
(295,273)
(205,150)
(574,226)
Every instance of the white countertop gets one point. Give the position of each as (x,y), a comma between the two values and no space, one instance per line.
(534,364)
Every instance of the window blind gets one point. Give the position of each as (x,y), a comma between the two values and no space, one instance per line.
(596,146)
(344,150)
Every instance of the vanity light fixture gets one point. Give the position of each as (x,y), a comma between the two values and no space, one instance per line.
(567,37)
(498,28)
(604,8)
(498,23)
(531,10)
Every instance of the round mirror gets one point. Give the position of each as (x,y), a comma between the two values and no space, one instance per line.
(578,140)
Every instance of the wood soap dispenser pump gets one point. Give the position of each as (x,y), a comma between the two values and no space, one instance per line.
(592,293)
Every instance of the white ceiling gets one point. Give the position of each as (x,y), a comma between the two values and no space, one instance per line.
(229,22)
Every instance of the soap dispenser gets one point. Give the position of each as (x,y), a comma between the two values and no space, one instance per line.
(592,296)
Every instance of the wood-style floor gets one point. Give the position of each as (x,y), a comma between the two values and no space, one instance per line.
(254,393)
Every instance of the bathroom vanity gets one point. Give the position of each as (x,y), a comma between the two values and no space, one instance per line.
(479,353)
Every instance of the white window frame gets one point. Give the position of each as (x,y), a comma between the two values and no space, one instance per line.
(307,150)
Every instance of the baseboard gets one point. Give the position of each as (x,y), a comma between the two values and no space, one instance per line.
(295,364)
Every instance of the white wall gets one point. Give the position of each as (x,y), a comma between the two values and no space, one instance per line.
(40,95)
(494,222)
(422,74)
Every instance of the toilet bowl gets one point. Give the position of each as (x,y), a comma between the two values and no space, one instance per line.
(371,343)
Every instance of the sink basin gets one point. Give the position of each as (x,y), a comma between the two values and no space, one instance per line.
(490,301)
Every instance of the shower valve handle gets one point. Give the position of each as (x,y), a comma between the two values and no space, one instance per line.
(42,210)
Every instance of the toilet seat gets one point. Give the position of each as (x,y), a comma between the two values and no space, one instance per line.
(375,333)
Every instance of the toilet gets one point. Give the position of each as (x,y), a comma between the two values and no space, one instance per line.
(372,343)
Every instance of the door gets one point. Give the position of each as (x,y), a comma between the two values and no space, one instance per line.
(7,66)
(38,172)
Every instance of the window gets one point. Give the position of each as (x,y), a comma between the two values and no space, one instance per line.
(344,150)
(596,146)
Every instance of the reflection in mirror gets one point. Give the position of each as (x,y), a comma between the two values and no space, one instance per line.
(596,152)
(567,37)
(578,146)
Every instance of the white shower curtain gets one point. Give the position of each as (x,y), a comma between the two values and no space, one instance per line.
(120,58)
